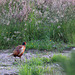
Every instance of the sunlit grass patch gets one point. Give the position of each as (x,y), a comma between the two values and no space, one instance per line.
(30,70)
(31,67)
(35,61)
(58,58)
(46,60)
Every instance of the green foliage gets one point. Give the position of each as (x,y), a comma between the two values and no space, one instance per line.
(39,66)
(11,35)
(30,70)
(58,58)
(45,45)
(35,61)
(42,24)
(70,45)
(31,67)
(68,31)
(69,65)
(46,60)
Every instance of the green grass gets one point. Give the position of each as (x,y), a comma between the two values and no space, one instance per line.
(58,58)
(70,45)
(30,70)
(40,66)
(37,39)
(46,60)
(48,45)
(31,67)
(69,65)
(35,61)
(37,30)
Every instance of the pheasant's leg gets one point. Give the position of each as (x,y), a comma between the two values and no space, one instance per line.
(15,58)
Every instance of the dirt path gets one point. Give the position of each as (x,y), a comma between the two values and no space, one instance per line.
(9,67)
(6,63)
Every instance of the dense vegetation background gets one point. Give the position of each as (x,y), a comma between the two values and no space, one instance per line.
(41,23)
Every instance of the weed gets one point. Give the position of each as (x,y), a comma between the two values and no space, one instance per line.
(58,58)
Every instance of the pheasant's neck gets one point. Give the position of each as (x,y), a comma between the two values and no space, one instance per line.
(23,45)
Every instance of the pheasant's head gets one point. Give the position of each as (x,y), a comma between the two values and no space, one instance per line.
(24,43)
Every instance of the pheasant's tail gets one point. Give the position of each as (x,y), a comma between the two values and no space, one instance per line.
(10,55)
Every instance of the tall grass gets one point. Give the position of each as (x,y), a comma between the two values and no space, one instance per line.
(23,21)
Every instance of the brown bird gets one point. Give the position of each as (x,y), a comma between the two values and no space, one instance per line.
(19,50)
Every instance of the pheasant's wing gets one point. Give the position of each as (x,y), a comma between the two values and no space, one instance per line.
(17,50)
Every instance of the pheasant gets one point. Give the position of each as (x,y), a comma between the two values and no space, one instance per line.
(19,50)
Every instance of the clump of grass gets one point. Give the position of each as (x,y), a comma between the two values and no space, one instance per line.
(58,58)
(35,66)
(32,67)
(46,60)
(30,70)
(35,61)
(69,65)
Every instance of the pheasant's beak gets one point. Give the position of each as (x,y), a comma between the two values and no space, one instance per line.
(25,43)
